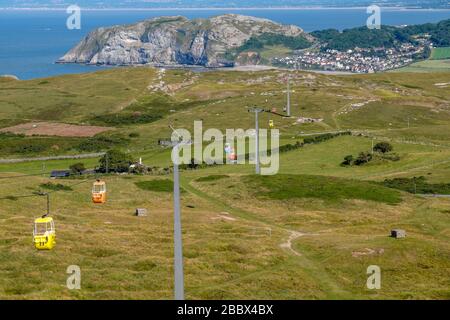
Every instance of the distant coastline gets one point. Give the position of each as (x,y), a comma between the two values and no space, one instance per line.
(389,8)
(37,61)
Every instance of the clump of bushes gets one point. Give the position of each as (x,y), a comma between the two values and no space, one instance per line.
(20,144)
(115,161)
(118,119)
(77,168)
(289,147)
(383,147)
(193,165)
(324,137)
(363,158)
(382,151)
(28,148)
(348,160)
(309,140)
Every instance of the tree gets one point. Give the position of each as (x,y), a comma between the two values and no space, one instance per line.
(77,168)
(363,158)
(115,161)
(383,147)
(348,160)
(193,165)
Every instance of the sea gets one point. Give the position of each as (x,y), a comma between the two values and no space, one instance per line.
(32,40)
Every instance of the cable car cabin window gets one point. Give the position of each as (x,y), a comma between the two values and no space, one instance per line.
(99,188)
(40,228)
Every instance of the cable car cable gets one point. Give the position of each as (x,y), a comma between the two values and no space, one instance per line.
(19,197)
(12,197)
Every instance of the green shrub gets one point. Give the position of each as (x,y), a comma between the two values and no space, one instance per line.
(11,144)
(115,161)
(77,168)
(324,137)
(119,119)
(390,157)
(363,158)
(383,147)
(28,148)
(348,161)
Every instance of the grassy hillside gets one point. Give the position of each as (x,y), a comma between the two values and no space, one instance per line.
(143,102)
(309,232)
(440,53)
(331,243)
(427,66)
(72,97)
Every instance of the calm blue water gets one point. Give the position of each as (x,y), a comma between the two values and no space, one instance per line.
(30,41)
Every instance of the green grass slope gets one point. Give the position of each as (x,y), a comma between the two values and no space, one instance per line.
(309,232)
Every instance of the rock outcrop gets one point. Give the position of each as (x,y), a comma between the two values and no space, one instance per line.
(174,41)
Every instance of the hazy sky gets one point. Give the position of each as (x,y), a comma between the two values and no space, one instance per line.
(217,3)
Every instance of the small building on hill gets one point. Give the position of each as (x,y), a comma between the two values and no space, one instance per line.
(55,174)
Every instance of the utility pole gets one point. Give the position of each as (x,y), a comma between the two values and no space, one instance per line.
(107,162)
(288,105)
(178,240)
(372,144)
(257,111)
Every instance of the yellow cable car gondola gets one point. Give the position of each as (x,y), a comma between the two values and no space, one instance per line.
(99,192)
(44,234)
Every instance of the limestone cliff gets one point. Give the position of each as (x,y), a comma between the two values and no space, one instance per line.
(174,41)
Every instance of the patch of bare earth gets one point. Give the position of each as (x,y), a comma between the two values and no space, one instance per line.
(288,244)
(55,129)
(367,252)
(224,216)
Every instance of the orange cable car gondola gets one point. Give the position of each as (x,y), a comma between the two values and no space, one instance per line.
(99,192)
